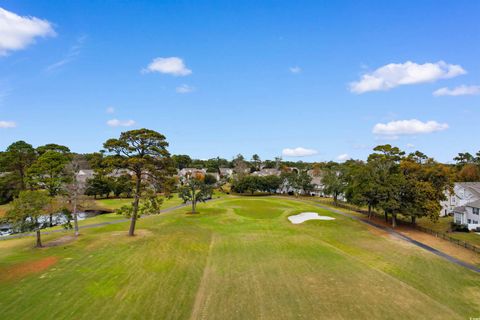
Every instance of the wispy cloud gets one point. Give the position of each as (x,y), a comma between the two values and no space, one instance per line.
(343,157)
(185,88)
(17,32)
(462,90)
(394,129)
(397,74)
(298,152)
(110,110)
(295,69)
(120,123)
(72,53)
(7,124)
(171,65)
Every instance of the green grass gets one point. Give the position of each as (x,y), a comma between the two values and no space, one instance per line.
(237,259)
(441,225)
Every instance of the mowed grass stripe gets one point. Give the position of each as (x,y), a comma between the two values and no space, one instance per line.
(235,261)
(253,285)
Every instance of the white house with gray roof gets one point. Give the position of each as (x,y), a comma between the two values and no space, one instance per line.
(463,193)
(468,215)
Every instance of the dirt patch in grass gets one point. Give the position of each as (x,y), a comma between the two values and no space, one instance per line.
(60,241)
(24,269)
(117,237)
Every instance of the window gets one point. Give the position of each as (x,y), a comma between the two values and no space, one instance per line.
(475,221)
(476,211)
(469,221)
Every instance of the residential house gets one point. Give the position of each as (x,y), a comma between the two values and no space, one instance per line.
(226,172)
(463,193)
(468,215)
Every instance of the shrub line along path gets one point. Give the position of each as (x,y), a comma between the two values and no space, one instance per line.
(370,223)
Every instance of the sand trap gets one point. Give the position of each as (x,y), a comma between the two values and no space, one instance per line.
(305,216)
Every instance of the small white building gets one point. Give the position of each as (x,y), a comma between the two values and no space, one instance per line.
(463,193)
(267,172)
(468,215)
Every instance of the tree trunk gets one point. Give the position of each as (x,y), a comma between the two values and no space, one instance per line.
(50,220)
(386,216)
(394,220)
(369,211)
(75,218)
(39,240)
(133,220)
(22,179)
(414,219)
(194,201)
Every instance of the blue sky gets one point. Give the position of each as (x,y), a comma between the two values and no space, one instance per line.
(318,80)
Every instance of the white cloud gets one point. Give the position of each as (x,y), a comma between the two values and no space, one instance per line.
(343,157)
(110,110)
(17,32)
(462,90)
(298,152)
(7,124)
(120,123)
(410,145)
(295,69)
(184,88)
(396,74)
(406,127)
(172,65)
(72,53)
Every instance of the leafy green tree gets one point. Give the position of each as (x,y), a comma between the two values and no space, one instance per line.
(256,162)
(53,147)
(425,183)
(334,183)
(464,158)
(389,181)
(362,187)
(247,184)
(210,179)
(144,152)
(99,185)
(26,212)
(9,187)
(49,172)
(122,184)
(182,161)
(271,183)
(303,182)
(16,160)
(195,190)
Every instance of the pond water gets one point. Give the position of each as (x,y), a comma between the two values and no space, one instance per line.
(58,219)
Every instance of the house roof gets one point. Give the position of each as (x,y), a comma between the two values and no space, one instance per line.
(460,209)
(474,187)
(474,204)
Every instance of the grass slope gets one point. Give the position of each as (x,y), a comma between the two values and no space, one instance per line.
(237,259)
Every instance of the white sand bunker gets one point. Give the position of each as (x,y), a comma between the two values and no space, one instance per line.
(305,216)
